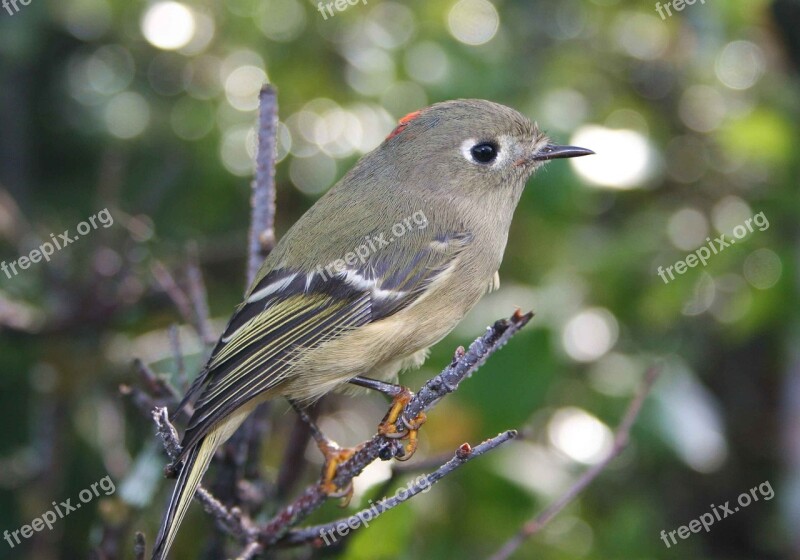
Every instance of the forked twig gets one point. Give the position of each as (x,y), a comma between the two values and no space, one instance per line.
(621,438)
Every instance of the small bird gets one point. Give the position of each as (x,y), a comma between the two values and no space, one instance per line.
(383,266)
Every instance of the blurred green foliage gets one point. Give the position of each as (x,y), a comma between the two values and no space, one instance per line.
(148,109)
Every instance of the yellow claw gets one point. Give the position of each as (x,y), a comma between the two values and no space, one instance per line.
(388,427)
(413,431)
(335,456)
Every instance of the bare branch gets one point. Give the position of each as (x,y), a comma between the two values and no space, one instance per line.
(239,456)
(463,365)
(278,531)
(139,546)
(293,462)
(167,432)
(177,355)
(157,391)
(198,295)
(230,520)
(179,298)
(262,222)
(250,551)
(621,438)
(156,385)
(463,455)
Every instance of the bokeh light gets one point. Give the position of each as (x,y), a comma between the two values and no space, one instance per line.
(729,213)
(642,36)
(313,174)
(168,25)
(242,86)
(590,334)
(687,228)
(237,148)
(427,63)
(127,115)
(702,108)
(579,435)
(733,298)
(740,65)
(86,20)
(762,268)
(280,20)
(390,25)
(623,158)
(615,374)
(473,22)
(561,109)
(690,419)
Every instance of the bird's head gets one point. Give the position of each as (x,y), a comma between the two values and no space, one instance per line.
(473,143)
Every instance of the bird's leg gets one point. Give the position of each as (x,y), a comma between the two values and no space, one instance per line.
(334,455)
(400,396)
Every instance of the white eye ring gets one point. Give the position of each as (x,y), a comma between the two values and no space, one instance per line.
(501,151)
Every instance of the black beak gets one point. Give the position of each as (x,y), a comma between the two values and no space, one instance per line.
(554,151)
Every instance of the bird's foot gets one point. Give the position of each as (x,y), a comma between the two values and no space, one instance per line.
(388,426)
(335,456)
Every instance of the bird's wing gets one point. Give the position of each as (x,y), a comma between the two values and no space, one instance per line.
(289,311)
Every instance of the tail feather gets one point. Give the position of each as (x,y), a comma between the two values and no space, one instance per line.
(194,467)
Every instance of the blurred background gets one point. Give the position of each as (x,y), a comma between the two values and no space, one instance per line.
(147,110)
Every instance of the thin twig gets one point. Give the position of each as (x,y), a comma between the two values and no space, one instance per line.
(250,551)
(229,519)
(262,222)
(241,452)
(464,364)
(154,383)
(621,438)
(278,531)
(179,298)
(167,433)
(198,295)
(157,392)
(293,462)
(463,455)
(177,355)
(139,546)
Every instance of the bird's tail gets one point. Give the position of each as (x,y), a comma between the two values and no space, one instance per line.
(194,466)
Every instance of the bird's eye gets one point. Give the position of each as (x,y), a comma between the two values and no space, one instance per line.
(485,152)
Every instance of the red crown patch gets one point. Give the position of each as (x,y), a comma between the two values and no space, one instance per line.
(403,123)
